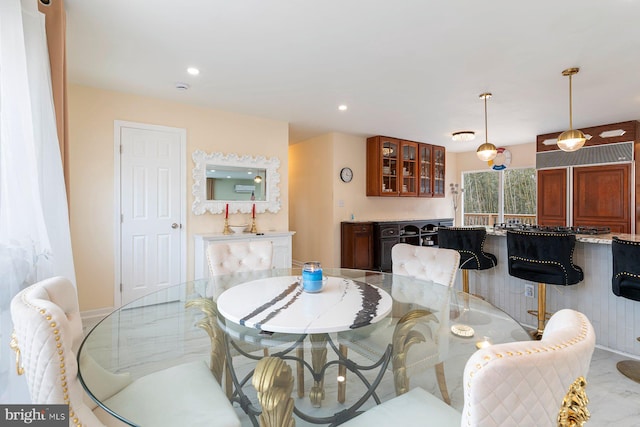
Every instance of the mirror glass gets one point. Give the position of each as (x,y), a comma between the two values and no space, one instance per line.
(236,183)
(239,181)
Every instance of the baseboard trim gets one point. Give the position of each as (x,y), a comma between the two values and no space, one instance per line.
(97,314)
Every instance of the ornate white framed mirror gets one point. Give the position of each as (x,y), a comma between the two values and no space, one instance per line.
(239,181)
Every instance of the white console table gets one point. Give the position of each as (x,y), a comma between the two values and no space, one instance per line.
(281,241)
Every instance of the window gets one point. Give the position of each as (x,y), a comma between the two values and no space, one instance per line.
(492,197)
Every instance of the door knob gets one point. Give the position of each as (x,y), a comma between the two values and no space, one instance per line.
(174,225)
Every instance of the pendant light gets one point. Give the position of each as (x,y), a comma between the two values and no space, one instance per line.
(572,139)
(486,151)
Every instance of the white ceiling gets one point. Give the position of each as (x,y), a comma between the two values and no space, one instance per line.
(406,68)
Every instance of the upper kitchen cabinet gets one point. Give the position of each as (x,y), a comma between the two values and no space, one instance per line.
(404,168)
(438,171)
(409,186)
(599,191)
(383,166)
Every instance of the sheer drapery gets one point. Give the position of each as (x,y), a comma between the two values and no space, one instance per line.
(35,241)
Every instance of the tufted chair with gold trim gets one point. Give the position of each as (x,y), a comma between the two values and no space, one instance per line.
(46,338)
(625,282)
(421,313)
(543,257)
(512,384)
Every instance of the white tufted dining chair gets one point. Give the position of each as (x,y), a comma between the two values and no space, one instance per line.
(424,263)
(239,257)
(46,338)
(512,384)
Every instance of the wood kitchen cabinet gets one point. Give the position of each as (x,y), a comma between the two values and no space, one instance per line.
(403,168)
(552,197)
(438,171)
(591,186)
(425,157)
(356,245)
(383,166)
(602,196)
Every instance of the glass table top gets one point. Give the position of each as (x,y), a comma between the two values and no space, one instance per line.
(428,323)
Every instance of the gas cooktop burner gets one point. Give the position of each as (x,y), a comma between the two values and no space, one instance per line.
(581,229)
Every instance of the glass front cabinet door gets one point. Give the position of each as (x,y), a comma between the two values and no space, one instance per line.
(426,170)
(384,166)
(438,171)
(409,170)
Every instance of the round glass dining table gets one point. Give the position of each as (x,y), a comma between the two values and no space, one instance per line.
(279,352)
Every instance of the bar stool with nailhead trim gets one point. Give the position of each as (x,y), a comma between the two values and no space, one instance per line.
(625,282)
(545,258)
(469,242)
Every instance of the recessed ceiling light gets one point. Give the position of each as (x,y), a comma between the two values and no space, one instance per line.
(342,107)
(463,135)
(193,71)
(182,86)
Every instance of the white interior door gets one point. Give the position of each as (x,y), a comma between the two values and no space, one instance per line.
(152,200)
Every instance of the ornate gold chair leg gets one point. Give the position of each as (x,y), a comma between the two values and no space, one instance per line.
(273,381)
(403,338)
(342,376)
(300,371)
(318,360)
(442,383)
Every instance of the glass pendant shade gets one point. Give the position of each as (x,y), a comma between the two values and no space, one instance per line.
(571,140)
(486,152)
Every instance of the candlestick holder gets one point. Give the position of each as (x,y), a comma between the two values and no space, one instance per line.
(254,229)
(226,229)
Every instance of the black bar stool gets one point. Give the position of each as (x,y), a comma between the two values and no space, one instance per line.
(625,282)
(545,258)
(469,242)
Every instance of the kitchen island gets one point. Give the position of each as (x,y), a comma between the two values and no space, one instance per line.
(616,320)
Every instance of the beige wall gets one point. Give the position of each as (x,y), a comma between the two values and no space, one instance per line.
(314,233)
(311,192)
(92,113)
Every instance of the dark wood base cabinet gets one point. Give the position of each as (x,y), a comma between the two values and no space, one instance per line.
(356,245)
(367,245)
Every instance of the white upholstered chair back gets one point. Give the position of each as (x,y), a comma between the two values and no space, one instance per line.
(423,262)
(524,383)
(48,331)
(239,257)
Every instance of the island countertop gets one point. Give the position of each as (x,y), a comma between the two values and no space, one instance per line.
(604,239)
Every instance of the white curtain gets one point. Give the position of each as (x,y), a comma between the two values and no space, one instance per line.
(35,241)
